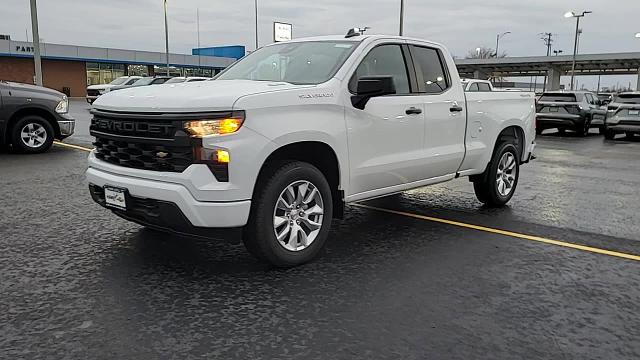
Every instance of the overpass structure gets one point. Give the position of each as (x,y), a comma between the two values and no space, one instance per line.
(552,66)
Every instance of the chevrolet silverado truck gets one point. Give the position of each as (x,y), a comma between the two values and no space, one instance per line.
(31,117)
(282,140)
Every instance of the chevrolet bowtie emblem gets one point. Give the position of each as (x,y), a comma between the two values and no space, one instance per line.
(162,154)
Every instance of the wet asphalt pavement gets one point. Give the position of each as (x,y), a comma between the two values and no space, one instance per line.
(76,282)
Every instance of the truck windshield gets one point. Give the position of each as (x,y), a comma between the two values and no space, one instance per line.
(311,62)
(119,81)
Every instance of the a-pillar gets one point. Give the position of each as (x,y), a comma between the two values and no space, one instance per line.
(554,78)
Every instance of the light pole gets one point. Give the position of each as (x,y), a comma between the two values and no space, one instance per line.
(638,35)
(36,43)
(256,9)
(571,14)
(556,52)
(401,17)
(498,37)
(166,35)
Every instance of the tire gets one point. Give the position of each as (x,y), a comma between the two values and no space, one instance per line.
(539,131)
(629,134)
(609,134)
(561,131)
(32,135)
(487,187)
(601,130)
(584,129)
(270,205)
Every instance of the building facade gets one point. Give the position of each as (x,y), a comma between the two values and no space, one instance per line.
(70,69)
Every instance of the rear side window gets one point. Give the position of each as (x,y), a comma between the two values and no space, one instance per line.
(474,88)
(558,97)
(628,99)
(384,60)
(434,74)
(484,87)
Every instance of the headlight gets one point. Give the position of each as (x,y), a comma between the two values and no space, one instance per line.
(215,127)
(104,91)
(63,106)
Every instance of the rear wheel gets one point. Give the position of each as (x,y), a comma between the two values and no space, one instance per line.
(584,129)
(496,185)
(290,216)
(601,130)
(32,134)
(562,131)
(629,134)
(609,134)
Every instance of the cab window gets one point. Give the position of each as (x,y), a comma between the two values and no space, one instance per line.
(484,87)
(474,87)
(429,63)
(384,60)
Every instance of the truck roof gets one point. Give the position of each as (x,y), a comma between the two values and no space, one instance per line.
(358,39)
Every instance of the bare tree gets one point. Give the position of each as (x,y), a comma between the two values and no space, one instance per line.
(484,53)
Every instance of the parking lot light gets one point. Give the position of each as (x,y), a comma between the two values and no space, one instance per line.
(571,14)
(638,35)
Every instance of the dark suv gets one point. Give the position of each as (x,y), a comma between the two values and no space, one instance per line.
(31,117)
(623,115)
(570,110)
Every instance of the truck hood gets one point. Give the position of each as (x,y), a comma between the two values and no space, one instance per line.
(35,89)
(188,97)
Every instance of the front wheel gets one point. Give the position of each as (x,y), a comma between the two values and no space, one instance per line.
(32,134)
(290,216)
(584,130)
(496,185)
(609,134)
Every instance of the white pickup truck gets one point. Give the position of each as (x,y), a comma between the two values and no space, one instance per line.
(280,141)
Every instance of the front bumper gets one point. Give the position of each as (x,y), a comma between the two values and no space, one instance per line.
(66,124)
(167,196)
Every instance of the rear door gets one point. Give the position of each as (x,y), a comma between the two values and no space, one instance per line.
(386,138)
(445,116)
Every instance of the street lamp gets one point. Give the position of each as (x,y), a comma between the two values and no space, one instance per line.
(166,35)
(556,52)
(571,14)
(255,6)
(638,35)
(401,17)
(498,37)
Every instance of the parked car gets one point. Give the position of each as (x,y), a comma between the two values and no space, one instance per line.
(605,98)
(570,110)
(623,115)
(475,85)
(278,152)
(145,81)
(182,79)
(31,117)
(94,91)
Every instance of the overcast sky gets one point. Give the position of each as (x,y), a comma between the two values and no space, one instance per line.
(461,25)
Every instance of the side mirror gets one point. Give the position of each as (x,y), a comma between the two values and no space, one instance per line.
(372,86)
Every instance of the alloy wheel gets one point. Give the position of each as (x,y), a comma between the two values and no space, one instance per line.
(297,216)
(506,174)
(33,135)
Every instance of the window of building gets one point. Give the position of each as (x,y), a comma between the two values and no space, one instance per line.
(138,70)
(433,71)
(384,60)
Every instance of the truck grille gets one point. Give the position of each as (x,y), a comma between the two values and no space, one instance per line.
(156,157)
(93,92)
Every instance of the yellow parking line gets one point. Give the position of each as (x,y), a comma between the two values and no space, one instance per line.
(73,146)
(507,233)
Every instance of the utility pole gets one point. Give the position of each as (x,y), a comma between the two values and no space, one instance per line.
(547,38)
(401,17)
(37,60)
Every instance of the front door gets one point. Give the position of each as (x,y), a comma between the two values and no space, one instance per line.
(386,139)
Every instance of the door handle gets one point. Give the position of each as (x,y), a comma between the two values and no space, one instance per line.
(455,108)
(413,111)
